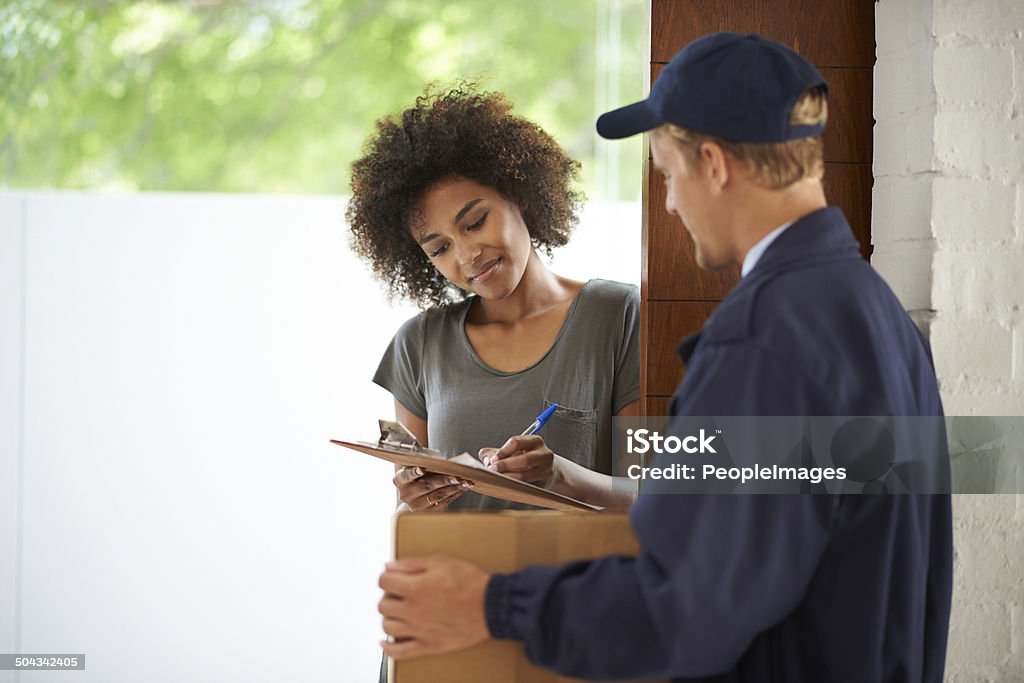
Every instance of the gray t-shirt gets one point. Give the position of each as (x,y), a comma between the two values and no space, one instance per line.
(591,371)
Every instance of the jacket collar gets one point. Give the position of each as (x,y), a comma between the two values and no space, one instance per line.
(819,237)
(822,235)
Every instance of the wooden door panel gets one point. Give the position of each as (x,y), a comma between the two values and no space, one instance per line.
(848,186)
(847,135)
(669,322)
(656,405)
(826,33)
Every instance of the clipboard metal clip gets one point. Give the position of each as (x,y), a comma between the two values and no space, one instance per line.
(395,435)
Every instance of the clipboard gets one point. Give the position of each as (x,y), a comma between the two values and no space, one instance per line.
(398,445)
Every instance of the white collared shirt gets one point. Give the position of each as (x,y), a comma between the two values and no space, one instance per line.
(755,252)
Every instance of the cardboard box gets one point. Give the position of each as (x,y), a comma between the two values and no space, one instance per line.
(502,542)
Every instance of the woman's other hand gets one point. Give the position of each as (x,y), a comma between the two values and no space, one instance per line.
(423,491)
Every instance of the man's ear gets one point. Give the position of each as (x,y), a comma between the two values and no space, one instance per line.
(714,165)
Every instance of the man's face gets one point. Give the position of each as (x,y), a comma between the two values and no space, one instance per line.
(688,196)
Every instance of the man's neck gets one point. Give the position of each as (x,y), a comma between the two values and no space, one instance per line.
(763,211)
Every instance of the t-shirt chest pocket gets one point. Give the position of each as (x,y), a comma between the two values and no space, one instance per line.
(572,434)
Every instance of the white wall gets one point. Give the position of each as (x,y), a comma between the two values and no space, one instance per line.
(171,369)
(948,222)
(11,345)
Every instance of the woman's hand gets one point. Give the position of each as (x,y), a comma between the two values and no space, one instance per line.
(526,458)
(426,491)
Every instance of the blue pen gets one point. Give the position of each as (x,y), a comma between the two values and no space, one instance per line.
(541,420)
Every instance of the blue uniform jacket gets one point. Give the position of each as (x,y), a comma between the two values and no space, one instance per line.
(759,588)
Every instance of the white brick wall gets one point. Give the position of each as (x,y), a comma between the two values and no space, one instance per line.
(974,348)
(948,229)
(961,201)
(987,18)
(977,143)
(977,274)
(904,103)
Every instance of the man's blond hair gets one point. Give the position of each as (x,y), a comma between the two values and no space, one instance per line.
(772,165)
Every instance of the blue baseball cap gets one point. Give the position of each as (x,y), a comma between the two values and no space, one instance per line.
(736,87)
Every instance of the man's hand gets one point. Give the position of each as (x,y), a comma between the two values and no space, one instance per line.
(432,605)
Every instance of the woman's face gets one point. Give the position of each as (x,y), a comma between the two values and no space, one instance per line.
(474,237)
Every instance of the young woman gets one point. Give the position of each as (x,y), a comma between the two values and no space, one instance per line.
(450,205)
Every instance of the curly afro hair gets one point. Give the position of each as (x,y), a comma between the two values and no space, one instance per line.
(456,133)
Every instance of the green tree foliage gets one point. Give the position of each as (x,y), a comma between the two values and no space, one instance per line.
(278,96)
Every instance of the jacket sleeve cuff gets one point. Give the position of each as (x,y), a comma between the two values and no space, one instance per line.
(498,607)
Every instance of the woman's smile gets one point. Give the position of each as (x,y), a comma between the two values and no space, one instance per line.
(485,272)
